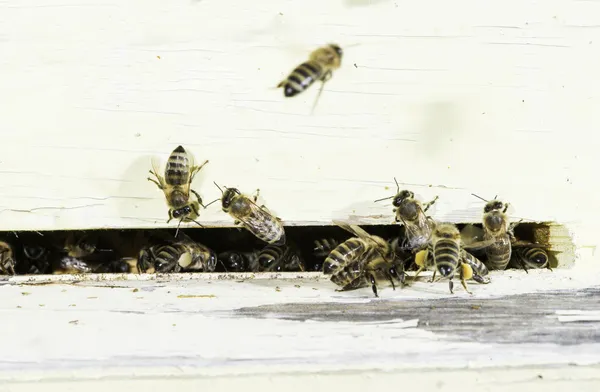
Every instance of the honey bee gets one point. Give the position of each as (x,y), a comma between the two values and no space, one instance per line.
(186,255)
(280,258)
(69,265)
(7,260)
(257,220)
(324,246)
(497,228)
(176,185)
(409,211)
(123,265)
(531,257)
(234,261)
(80,247)
(319,66)
(36,259)
(357,261)
(449,256)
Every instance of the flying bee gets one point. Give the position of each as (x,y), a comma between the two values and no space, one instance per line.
(234,261)
(186,255)
(319,66)
(449,256)
(357,261)
(497,228)
(257,220)
(69,265)
(273,258)
(531,257)
(409,211)
(7,260)
(176,185)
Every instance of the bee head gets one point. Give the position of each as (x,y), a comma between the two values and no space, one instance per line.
(184,211)
(228,196)
(337,49)
(446,230)
(493,205)
(401,196)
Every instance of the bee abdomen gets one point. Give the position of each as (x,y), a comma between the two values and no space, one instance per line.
(533,257)
(478,267)
(302,77)
(272,232)
(178,167)
(498,255)
(168,254)
(342,254)
(324,246)
(270,257)
(446,253)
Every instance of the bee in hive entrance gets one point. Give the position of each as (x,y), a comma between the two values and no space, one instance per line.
(257,220)
(497,228)
(175,256)
(408,211)
(176,185)
(361,260)
(319,66)
(449,256)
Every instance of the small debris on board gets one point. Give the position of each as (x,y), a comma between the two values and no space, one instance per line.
(197,296)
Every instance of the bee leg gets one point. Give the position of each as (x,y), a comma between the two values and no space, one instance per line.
(156,182)
(196,169)
(426,206)
(401,276)
(373,284)
(390,277)
(466,272)
(451,286)
(433,277)
(524,266)
(198,197)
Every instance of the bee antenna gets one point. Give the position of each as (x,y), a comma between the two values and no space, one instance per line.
(223,264)
(479,197)
(206,206)
(196,222)
(177,231)
(385,198)
(218,186)
(397,185)
(495,197)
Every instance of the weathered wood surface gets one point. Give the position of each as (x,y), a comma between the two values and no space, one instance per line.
(501,99)
(213,328)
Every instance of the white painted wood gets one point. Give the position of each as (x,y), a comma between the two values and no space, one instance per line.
(451,99)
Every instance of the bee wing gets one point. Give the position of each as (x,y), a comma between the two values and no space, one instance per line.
(156,165)
(479,244)
(256,217)
(354,229)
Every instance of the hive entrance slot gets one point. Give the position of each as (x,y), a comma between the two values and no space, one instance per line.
(38,252)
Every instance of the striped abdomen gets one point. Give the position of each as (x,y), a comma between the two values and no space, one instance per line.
(177,171)
(532,257)
(169,254)
(301,78)
(498,254)
(346,252)
(349,276)
(446,253)
(324,246)
(279,258)
(476,265)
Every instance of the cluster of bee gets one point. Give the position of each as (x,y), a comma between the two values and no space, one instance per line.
(361,260)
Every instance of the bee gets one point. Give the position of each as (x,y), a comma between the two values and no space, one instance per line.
(36,260)
(358,260)
(449,256)
(319,66)
(7,260)
(186,255)
(531,257)
(176,185)
(69,265)
(497,228)
(80,247)
(234,261)
(123,265)
(280,258)
(257,220)
(409,211)
(324,246)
